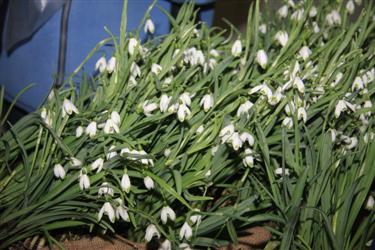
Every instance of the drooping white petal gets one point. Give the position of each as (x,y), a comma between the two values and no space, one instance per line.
(149,26)
(207,102)
(262,58)
(237,48)
(164,102)
(111,65)
(97,165)
(59,171)
(186,231)
(101,64)
(79,131)
(125,183)
(282,38)
(149,183)
(151,232)
(167,212)
(91,129)
(133,46)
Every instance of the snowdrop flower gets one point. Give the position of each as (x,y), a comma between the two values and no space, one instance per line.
(214,53)
(248,160)
(168,80)
(111,127)
(68,108)
(302,114)
(333,134)
(185,98)
(211,63)
(288,122)
(262,58)
(236,141)
(184,246)
(183,112)
(367,104)
(79,131)
(350,7)
(59,171)
(105,189)
(247,137)
(156,68)
(111,153)
(283,11)
(207,102)
(186,231)
(149,26)
(135,70)
(353,142)
(342,106)
(132,46)
(148,108)
(200,129)
(108,210)
(101,64)
(370,203)
(214,150)
(145,161)
(358,84)
(167,152)
(167,212)
(244,108)
(97,164)
(313,11)
(338,78)
(226,132)
(290,108)
(196,218)
(149,183)
(263,28)
(111,64)
(125,183)
(276,97)
(316,28)
(199,58)
(75,162)
(282,38)
(115,116)
(298,83)
(84,181)
(297,15)
(46,117)
(164,102)
(121,211)
(91,129)
(165,245)
(208,173)
(305,52)
(237,48)
(132,82)
(279,171)
(333,18)
(151,231)
(263,89)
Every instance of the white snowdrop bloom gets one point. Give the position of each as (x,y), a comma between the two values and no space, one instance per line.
(115,116)
(133,46)
(262,58)
(105,189)
(84,181)
(149,183)
(226,132)
(124,151)
(164,102)
(46,117)
(263,28)
(353,142)
(97,165)
(79,131)
(297,15)
(132,82)
(282,38)
(68,108)
(211,63)
(149,26)
(316,28)
(156,68)
(370,203)
(75,162)
(350,7)
(208,173)
(237,48)
(357,84)
(167,212)
(51,96)
(135,70)
(167,152)
(186,231)
(214,53)
(247,137)
(148,108)
(183,112)
(368,104)
(236,141)
(111,127)
(173,108)
(151,232)
(290,108)
(333,134)
(338,78)
(59,171)
(101,64)
(185,98)
(214,150)
(288,122)
(199,57)
(121,211)
(184,246)
(165,245)
(302,114)
(279,171)
(342,106)
(244,108)
(195,218)
(283,11)
(305,52)
(125,183)
(200,130)
(313,11)
(108,210)
(111,65)
(276,97)
(207,102)
(91,129)
(146,160)
(248,160)
(263,89)
(168,80)
(298,83)
(333,18)
(291,3)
